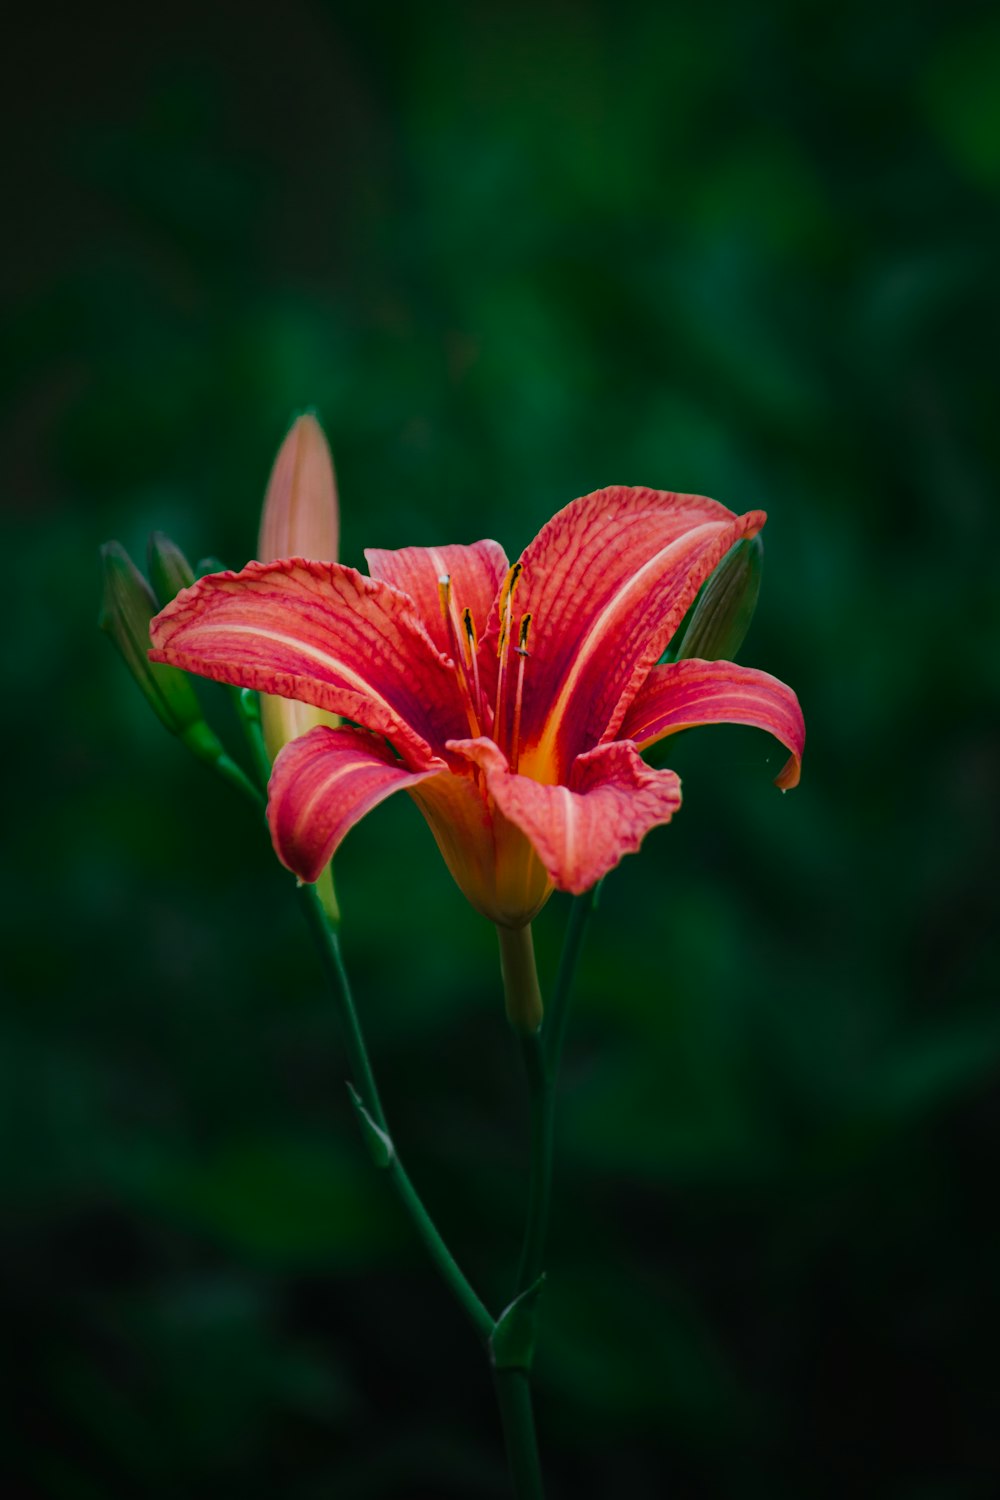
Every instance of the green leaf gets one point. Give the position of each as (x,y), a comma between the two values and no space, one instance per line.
(378,1142)
(512,1342)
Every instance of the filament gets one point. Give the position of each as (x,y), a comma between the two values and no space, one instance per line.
(503,643)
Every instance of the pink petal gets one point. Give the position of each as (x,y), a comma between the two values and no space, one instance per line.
(476,573)
(581,831)
(323,634)
(682,694)
(607,582)
(321,785)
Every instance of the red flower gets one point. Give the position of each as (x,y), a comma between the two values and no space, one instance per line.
(511,703)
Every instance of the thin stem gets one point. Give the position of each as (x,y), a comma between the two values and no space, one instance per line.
(540,1054)
(248,708)
(557,1011)
(328,942)
(237,777)
(541,1106)
(513,1390)
(364,1080)
(477,1312)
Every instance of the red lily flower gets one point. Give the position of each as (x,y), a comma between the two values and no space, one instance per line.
(511,703)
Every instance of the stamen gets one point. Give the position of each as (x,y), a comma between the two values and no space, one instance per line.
(473,645)
(505,600)
(448,612)
(503,644)
(522,653)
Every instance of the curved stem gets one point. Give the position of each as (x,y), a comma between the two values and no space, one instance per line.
(513,1390)
(364,1079)
(248,708)
(474,1309)
(237,777)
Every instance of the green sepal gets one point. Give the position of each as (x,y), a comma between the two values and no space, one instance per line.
(378,1142)
(512,1342)
(715,627)
(328,896)
(250,704)
(127,607)
(169,569)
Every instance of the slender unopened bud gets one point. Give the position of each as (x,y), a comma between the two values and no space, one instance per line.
(127,607)
(720,619)
(301,518)
(169,569)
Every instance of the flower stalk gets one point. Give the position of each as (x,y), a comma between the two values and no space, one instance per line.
(522,996)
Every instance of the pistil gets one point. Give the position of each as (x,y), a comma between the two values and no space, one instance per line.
(522,655)
(503,648)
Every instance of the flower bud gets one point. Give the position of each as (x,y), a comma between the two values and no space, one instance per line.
(301,518)
(127,607)
(169,569)
(718,623)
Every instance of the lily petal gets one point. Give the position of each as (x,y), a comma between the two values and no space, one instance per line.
(607,581)
(321,785)
(493,863)
(682,694)
(581,831)
(476,573)
(325,635)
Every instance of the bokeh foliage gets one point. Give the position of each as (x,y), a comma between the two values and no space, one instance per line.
(510,254)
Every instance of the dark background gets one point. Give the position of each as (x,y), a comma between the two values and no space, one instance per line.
(510,255)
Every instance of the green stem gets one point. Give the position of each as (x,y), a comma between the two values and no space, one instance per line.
(513,1390)
(328,942)
(540,1053)
(541,1107)
(522,996)
(557,1013)
(364,1080)
(248,708)
(237,777)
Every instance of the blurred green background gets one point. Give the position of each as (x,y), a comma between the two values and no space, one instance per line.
(510,254)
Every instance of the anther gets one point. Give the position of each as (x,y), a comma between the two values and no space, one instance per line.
(444,596)
(473,648)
